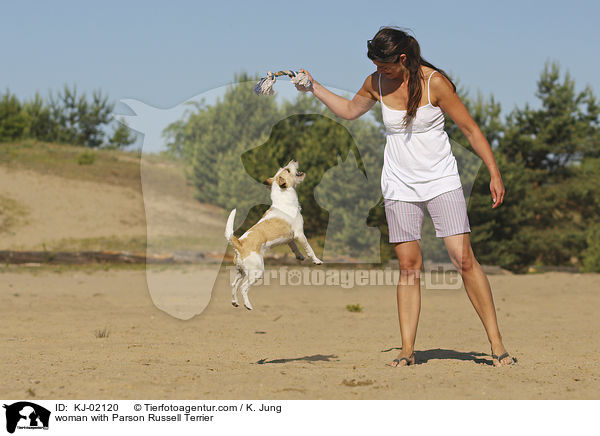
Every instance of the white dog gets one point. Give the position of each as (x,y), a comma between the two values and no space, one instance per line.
(281,224)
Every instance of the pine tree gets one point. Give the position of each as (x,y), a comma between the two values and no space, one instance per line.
(13,121)
(542,156)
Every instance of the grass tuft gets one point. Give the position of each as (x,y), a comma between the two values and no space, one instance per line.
(354,308)
(102,333)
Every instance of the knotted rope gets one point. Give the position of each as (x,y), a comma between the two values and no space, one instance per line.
(265,85)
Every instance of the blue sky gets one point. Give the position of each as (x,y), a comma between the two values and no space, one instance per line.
(164,53)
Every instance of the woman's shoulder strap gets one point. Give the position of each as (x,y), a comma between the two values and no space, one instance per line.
(428,80)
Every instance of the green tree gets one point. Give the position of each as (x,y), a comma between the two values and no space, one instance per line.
(543,156)
(591,255)
(79,121)
(122,136)
(66,118)
(92,117)
(64,112)
(40,124)
(13,121)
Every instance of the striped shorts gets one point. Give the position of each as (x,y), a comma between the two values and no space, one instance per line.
(448,212)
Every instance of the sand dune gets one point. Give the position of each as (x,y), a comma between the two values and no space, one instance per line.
(60,213)
(60,208)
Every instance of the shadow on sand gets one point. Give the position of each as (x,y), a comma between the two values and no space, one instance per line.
(313,358)
(443,354)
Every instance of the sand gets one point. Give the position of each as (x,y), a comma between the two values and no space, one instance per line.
(300,342)
(58,213)
(57,208)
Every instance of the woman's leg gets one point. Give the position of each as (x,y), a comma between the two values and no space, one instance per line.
(478,289)
(408,296)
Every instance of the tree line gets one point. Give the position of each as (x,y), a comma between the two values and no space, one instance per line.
(66,118)
(549,158)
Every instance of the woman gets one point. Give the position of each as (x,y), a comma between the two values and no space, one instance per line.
(420,172)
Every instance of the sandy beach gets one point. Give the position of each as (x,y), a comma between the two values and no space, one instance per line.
(300,342)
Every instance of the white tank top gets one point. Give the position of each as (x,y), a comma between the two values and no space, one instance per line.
(418,163)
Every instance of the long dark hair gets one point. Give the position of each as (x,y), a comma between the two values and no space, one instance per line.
(386,46)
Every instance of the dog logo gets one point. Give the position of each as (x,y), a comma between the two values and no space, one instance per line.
(26,415)
(179,227)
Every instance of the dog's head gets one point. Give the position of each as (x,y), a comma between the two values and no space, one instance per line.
(287,177)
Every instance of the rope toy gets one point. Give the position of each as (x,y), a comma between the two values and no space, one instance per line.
(265,85)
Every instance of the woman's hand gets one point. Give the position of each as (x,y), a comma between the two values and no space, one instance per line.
(497,190)
(306,88)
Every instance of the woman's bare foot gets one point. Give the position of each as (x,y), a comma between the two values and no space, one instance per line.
(403,359)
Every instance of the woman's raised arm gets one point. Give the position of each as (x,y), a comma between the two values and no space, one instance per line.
(362,102)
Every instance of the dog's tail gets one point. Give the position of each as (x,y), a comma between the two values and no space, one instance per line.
(234,241)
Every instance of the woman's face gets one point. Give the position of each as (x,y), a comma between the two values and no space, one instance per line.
(392,70)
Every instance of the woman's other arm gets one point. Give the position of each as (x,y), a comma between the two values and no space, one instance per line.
(362,102)
(443,95)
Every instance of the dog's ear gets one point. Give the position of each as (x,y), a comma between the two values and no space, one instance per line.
(269,181)
(281,182)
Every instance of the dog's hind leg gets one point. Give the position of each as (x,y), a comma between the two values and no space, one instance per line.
(234,287)
(253,276)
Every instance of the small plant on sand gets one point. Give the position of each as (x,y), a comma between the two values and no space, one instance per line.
(354,308)
(86,158)
(354,383)
(47,253)
(102,333)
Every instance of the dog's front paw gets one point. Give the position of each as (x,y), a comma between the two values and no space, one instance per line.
(300,257)
(317,261)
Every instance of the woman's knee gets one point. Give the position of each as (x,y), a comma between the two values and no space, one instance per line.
(461,253)
(410,264)
(464,261)
(409,258)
